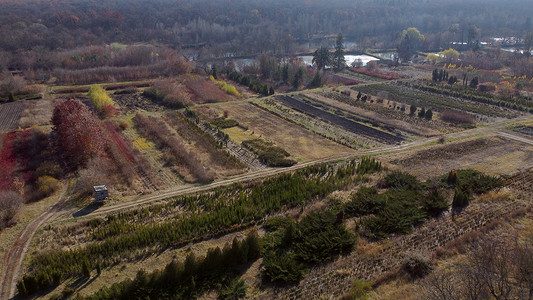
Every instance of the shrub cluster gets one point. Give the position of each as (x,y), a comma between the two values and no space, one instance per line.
(456,117)
(251,83)
(468,182)
(404,205)
(272,156)
(224,123)
(291,247)
(228,88)
(10,203)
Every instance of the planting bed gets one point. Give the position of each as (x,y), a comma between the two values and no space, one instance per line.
(38,113)
(10,115)
(205,146)
(380,114)
(342,122)
(391,111)
(433,101)
(491,155)
(316,125)
(132,102)
(302,144)
(164,173)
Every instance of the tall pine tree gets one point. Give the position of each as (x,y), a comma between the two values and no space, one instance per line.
(339,62)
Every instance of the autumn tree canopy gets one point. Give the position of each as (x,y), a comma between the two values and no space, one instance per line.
(77,133)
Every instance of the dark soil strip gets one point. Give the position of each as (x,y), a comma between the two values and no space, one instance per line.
(344,123)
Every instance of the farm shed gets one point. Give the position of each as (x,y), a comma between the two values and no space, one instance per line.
(100,192)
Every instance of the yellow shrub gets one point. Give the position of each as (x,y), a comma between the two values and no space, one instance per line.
(47,185)
(142,144)
(99,97)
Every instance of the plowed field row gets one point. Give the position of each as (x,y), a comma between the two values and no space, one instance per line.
(344,123)
(10,115)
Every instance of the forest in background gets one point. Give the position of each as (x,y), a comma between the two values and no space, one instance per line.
(223,27)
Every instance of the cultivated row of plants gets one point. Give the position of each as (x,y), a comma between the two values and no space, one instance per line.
(429,100)
(290,248)
(205,215)
(175,152)
(202,140)
(218,270)
(460,91)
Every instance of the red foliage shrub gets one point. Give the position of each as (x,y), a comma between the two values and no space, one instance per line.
(77,133)
(115,136)
(374,74)
(109,111)
(7,162)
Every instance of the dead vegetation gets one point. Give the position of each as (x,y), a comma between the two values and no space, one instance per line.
(175,152)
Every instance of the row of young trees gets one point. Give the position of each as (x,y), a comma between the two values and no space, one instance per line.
(188,279)
(207,215)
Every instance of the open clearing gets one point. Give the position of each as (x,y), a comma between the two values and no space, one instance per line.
(492,155)
(302,144)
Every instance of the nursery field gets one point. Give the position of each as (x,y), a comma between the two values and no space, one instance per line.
(436,102)
(493,155)
(319,126)
(379,114)
(302,144)
(272,196)
(340,121)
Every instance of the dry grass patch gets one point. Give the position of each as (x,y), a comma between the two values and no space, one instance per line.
(491,155)
(37,113)
(302,144)
(205,90)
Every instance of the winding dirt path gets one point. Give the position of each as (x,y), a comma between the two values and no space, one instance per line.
(13,259)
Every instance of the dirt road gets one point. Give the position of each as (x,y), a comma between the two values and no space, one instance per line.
(13,258)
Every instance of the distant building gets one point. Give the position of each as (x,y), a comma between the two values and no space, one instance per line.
(100,192)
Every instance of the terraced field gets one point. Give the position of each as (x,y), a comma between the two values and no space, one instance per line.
(342,122)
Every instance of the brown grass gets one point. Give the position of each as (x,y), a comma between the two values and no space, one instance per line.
(456,117)
(303,145)
(37,113)
(491,155)
(174,150)
(205,91)
(204,145)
